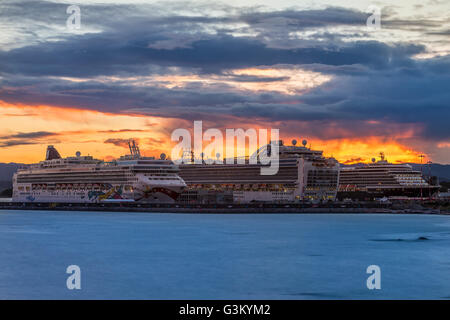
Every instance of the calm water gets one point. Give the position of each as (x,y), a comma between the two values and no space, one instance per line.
(184,256)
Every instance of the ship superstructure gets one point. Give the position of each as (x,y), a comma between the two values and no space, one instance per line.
(383,179)
(85,179)
(303,174)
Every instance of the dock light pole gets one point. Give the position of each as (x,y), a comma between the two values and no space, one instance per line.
(421,176)
(429,179)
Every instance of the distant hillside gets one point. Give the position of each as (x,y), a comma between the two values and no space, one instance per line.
(5,185)
(440,170)
(6,172)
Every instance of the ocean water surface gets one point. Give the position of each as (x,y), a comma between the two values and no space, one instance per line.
(214,256)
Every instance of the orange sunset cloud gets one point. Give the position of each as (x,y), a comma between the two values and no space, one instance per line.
(71,130)
(103,135)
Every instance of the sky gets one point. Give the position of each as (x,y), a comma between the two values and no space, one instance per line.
(140,69)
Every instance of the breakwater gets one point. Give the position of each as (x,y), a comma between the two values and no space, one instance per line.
(368,207)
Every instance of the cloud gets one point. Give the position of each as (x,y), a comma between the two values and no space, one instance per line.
(30,135)
(12,143)
(354,160)
(127,59)
(119,142)
(120,131)
(24,138)
(172,24)
(96,55)
(413,93)
(122,44)
(154,142)
(330,16)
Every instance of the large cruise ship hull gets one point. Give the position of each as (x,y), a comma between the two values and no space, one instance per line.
(377,193)
(302,175)
(149,193)
(82,179)
(383,179)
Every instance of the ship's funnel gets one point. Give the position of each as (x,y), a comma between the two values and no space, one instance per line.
(52,153)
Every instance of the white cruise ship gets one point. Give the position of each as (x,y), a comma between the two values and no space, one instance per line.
(383,179)
(303,175)
(83,179)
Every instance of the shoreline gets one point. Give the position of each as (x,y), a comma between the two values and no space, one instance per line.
(230,209)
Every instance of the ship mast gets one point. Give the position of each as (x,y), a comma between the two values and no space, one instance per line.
(134,149)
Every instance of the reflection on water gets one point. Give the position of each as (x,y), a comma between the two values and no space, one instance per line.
(207,256)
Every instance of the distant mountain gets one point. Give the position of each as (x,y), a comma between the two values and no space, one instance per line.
(6,172)
(440,170)
(5,185)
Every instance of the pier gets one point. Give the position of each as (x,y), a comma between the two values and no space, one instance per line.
(431,207)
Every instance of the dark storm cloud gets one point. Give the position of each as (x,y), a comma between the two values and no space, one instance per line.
(112,16)
(13,143)
(118,97)
(119,142)
(135,42)
(24,138)
(418,94)
(30,135)
(160,22)
(94,55)
(302,19)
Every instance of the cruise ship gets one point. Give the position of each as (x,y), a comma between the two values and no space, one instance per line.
(381,179)
(303,175)
(83,179)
